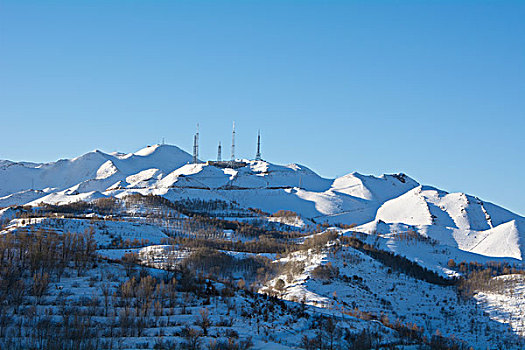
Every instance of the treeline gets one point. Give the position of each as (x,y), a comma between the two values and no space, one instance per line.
(218,264)
(262,245)
(254,228)
(325,272)
(192,207)
(496,268)
(108,207)
(482,277)
(397,262)
(199,206)
(101,206)
(485,280)
(482,280)
(201,220)
(201,214)
(319,241)
(285,214)
(414,236)
(202,217)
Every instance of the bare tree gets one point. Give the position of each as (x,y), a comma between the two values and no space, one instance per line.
(40,284)
(204,321)
(106,292)
(192,338)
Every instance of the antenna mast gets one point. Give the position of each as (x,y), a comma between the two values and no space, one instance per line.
(233,142)
(258,154)
(196,146)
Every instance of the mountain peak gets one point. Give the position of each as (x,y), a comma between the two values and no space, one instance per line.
(158,148)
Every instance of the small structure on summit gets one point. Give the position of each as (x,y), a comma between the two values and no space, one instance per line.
(232,163)
(224,164)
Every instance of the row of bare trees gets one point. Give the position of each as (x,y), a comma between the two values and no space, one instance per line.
(39,257)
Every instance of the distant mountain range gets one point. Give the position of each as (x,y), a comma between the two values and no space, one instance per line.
(385,203)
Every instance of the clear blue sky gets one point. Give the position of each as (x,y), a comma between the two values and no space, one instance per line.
(435,89)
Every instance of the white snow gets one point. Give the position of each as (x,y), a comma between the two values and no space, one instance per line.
(507,305)
(453,219)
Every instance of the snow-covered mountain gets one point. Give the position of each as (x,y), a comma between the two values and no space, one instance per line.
(458,219)
(375,203)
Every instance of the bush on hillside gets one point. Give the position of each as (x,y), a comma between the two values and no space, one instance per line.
(325,272)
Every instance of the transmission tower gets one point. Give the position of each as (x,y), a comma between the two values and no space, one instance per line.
(196,146)
(258,154)
(195,149)
(233,143)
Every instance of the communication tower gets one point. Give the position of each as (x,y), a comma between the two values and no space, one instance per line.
(196,146)
(233,143)
(258,154)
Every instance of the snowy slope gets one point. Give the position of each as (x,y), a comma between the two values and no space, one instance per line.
(458,220)
(507,304)
(93,171)
(373,188)
(365,284)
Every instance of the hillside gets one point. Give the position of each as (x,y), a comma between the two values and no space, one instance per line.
(146,250)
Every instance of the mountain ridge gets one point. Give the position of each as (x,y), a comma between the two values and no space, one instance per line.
(166,170)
